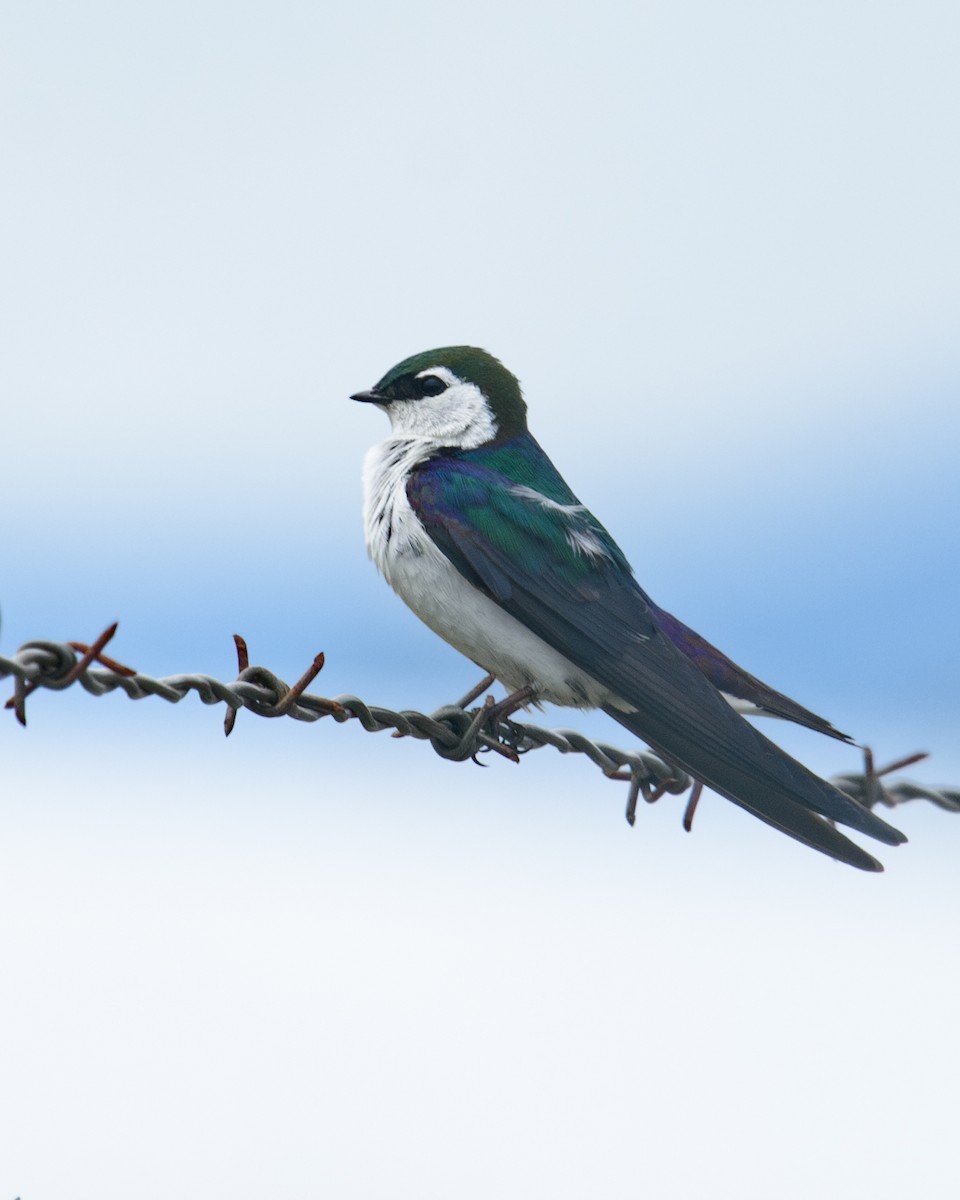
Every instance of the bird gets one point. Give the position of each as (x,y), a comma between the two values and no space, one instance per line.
(473,526)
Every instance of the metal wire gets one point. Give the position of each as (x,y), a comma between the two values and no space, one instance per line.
(454,732)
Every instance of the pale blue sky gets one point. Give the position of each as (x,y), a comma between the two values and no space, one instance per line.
(718,245)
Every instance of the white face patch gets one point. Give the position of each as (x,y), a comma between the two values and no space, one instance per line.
(460,416)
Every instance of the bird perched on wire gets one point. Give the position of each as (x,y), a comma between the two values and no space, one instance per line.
(473,526)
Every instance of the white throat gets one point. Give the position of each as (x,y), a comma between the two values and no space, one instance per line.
(431,585)
(436,591)
(460,416)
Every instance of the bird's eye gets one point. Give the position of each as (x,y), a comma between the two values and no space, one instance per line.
(431,385)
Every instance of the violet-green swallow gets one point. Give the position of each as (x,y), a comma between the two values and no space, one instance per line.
(473,526)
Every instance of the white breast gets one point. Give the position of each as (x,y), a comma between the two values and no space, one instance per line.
(440,596)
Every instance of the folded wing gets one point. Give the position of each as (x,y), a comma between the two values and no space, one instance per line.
(547,561)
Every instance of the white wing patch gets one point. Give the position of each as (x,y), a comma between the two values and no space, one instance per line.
(529,493)
(579,539)
(584,541)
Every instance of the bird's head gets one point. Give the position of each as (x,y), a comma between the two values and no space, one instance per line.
(457,396)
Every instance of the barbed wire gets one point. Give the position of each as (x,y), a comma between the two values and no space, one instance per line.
(455,731)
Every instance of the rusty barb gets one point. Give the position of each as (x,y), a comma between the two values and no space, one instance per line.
(456,731)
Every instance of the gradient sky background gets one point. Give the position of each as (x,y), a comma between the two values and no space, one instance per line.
(718,244)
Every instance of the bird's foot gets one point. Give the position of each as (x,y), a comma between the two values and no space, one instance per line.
(496,724)
(502,711)
(485,728)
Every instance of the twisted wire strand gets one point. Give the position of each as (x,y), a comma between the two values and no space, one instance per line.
(454,732)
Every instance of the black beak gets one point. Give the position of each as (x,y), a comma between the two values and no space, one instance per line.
(371,397)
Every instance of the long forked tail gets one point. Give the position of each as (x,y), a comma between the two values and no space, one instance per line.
(761,778)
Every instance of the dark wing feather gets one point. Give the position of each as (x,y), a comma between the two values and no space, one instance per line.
(726,676)
(590,609)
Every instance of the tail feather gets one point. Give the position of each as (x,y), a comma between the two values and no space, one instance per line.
(788,809)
